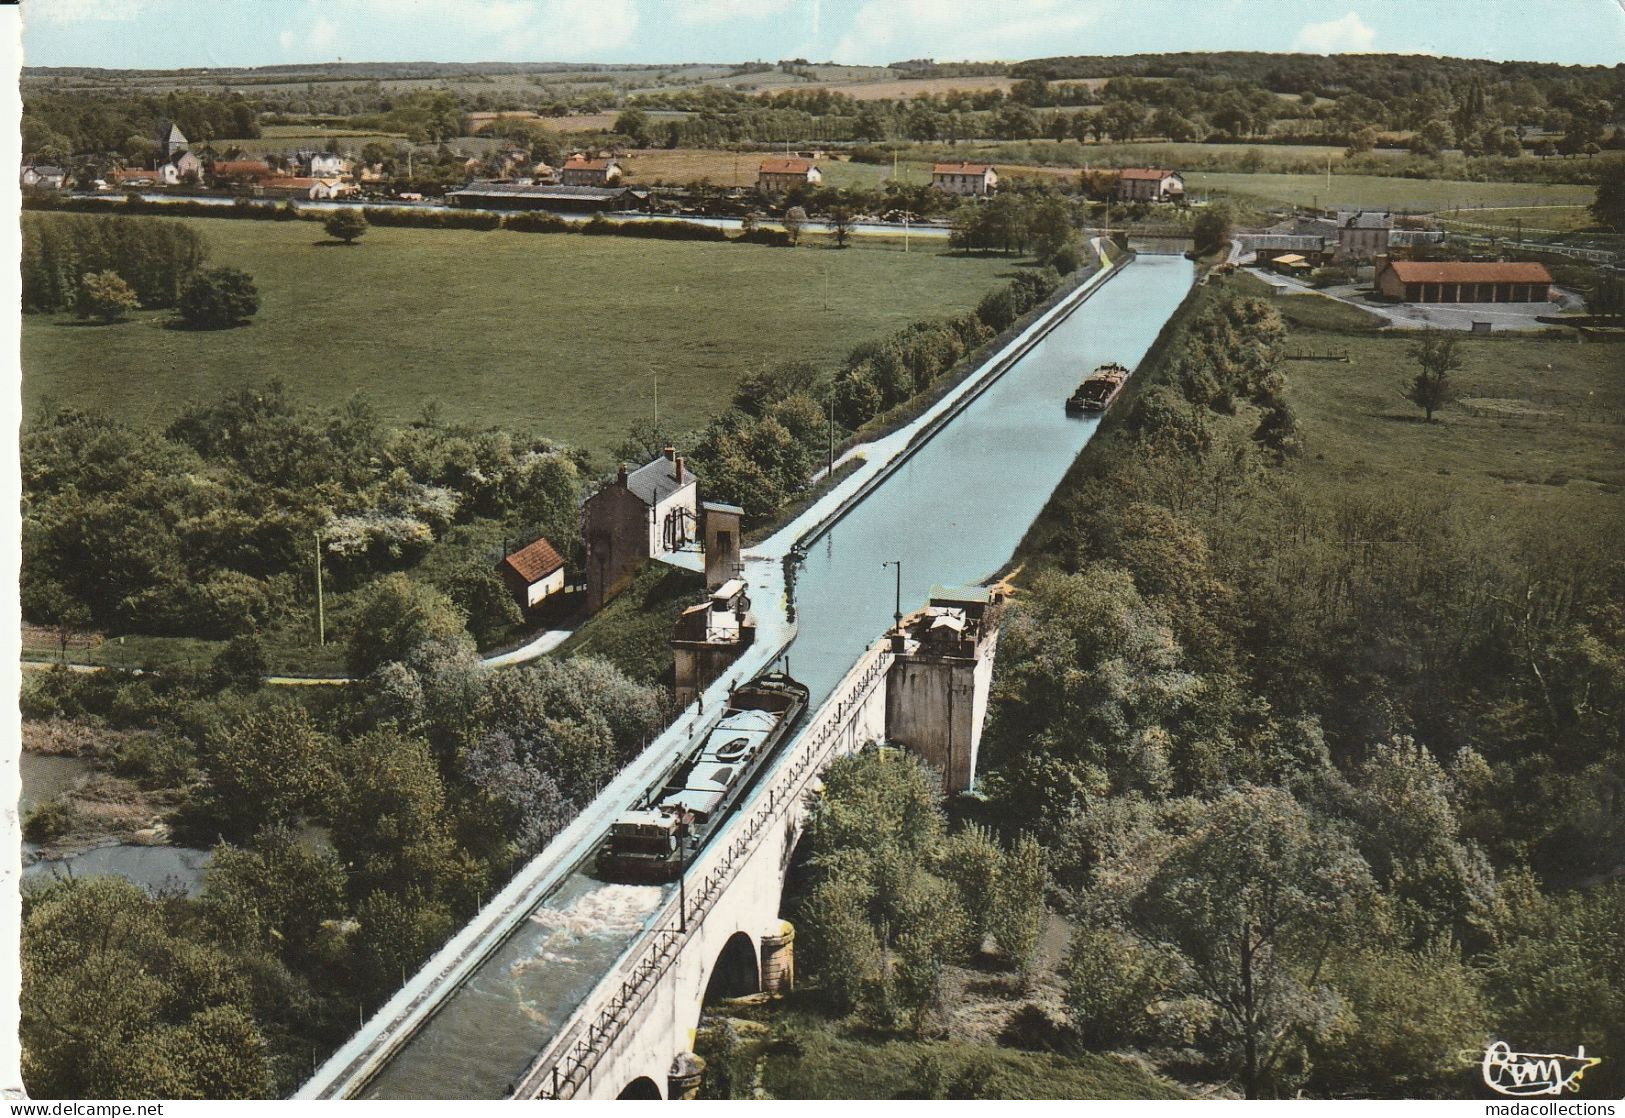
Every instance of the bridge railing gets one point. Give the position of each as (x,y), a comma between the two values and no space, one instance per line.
(565,1065)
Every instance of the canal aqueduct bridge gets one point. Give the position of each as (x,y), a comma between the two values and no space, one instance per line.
(722,931)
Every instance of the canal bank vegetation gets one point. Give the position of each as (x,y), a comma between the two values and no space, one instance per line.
(1314,709)
(352,830)
(926,962)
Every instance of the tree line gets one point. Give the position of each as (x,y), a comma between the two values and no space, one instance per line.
(1315,769)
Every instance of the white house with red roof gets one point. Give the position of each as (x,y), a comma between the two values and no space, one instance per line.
(534,573)
(964,178)
(780,176)
(578,170)
(1149,184)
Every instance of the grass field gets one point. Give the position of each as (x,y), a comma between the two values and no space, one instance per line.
(1531,219)
(892,90)
(1539,421)
(561,333)
(1372,191)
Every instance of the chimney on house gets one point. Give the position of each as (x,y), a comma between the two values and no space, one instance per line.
(679,463)
(671,453)
(620,476)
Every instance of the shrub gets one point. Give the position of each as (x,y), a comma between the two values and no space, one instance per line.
(219,298)
(105,296)
(536,223)
(48,821)
(430,219)
(345,225)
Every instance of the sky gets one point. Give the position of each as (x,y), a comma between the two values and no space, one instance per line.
(168,34)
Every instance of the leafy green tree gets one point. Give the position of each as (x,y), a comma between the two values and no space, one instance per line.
(1406,1020)
(274,894)
(840,220)
(1437,356)
(794,220)
(479,592)
(1114,982)
(269,765)
(395,616)
(1251,895)
(1608,207)
(117,1004)
(345,225)
(219,298)
(106,296)
(1016,918)
(1211,228)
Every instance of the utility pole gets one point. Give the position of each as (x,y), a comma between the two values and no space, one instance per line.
(656,374)
(831,468)
(321,614)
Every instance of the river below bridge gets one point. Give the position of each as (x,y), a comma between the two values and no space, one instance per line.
(953,513)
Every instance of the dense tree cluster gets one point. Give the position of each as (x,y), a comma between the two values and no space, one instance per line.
(155,259)
(895,898)
(208,529)
(1307,762)
(430,782)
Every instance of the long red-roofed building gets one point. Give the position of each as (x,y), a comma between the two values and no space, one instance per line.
(1464,281)
(964,178)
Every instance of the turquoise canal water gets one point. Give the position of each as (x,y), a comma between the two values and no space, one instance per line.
(955,511)
(953,514)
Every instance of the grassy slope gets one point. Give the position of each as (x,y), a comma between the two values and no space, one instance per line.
(557,332)
(634,630)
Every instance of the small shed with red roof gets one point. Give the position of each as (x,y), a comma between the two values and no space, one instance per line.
(533,573)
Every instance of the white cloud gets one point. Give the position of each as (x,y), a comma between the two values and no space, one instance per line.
(571,29)
(321,37)
(82,11)
(981,29)
(1348,35)
(725,11)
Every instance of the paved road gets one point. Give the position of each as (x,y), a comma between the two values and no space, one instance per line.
(1436,316)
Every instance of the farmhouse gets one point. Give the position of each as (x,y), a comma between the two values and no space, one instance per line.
(964,178)
(1149,184)
(646,513)
(581,171)
(544,196)
(319,164)
(42,176)
(1464,281)
(534,573)
(1363,234)
(779,176)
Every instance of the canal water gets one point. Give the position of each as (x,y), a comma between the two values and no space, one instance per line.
(953,514)
(955,511)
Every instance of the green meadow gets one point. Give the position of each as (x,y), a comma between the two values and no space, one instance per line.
(569,335)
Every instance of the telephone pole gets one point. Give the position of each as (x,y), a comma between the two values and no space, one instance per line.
(321,614)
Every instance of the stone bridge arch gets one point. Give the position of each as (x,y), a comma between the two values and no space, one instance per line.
(641,1088)
(736,971)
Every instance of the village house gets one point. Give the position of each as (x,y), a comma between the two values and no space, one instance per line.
(42,176)
(979,179)
(1464,281)
(318,164)
(780,176)
(1149,184)
(290,186)
(131,176)
(1363,234)
(533,574)
(581,171)
(228,171)
(184,168)
(329,188)
(644,514)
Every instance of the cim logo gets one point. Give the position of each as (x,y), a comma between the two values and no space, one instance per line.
(1532,1073)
